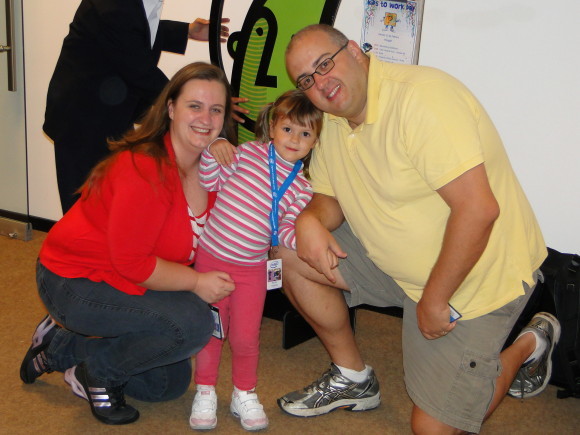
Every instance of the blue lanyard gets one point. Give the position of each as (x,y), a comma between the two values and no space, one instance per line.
(277,194)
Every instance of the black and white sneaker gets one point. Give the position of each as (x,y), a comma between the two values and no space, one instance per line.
(35,362)
(332,391)
(107,403)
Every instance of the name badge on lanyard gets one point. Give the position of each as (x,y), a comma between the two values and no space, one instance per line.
(274,267)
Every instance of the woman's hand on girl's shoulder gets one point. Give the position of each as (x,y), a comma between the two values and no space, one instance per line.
(223,151)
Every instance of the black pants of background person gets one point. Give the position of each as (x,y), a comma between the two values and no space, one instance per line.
(75,156)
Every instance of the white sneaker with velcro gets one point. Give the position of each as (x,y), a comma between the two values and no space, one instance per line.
(246,406)
(204,408)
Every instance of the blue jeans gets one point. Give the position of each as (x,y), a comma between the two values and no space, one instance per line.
(143,341)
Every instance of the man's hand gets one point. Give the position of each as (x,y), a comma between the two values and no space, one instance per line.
(433,319)
(317,247)
(199,30)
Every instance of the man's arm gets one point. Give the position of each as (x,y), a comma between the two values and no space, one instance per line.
(474,210)
(314,243)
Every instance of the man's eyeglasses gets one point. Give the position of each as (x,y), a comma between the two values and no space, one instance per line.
(306,82)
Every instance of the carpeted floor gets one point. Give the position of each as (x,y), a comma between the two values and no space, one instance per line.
(49,407)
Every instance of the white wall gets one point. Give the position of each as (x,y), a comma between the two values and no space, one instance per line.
(518,57)
(45,26)
(12,139)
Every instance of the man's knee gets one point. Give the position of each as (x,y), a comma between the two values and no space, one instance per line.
(290,270)
(289,258)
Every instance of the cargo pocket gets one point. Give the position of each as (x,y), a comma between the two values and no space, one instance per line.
(473,388)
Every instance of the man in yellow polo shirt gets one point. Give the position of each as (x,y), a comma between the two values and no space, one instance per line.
(416,205)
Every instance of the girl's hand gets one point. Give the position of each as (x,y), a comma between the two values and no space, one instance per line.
(223,152)
(213,286)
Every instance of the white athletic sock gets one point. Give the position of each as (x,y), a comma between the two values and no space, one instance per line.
(541,344)
(200,387)
(354,375)
(253,390)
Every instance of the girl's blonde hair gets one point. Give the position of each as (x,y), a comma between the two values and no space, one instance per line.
(296,107)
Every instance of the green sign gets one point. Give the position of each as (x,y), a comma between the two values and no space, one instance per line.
(257,50)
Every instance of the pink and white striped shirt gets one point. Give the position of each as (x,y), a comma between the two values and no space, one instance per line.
(238,230)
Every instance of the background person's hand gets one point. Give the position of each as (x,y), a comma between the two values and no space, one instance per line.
(236,108)
(199,30)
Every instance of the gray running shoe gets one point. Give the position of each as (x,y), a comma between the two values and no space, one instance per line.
(332,391)
(533,377)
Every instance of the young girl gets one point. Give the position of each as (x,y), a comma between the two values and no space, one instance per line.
(246,221)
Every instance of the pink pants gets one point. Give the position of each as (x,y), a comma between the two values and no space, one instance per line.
(241,315)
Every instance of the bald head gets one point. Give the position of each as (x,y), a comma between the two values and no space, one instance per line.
(335,35)
(336,68)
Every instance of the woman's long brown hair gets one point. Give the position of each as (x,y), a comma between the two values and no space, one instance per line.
(147,138)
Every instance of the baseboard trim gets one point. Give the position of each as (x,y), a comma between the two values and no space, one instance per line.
(37,223)
(15,229)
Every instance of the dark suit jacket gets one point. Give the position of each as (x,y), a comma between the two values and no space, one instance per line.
(107,72)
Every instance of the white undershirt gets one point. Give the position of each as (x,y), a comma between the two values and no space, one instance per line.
(197,224)
(153,13)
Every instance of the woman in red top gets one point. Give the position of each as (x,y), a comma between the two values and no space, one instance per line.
(114,271)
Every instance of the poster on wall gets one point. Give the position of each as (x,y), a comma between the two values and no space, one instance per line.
(391,30)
